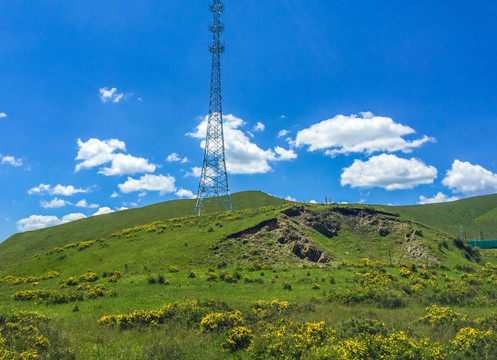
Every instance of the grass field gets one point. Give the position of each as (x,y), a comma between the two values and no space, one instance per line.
(283,280)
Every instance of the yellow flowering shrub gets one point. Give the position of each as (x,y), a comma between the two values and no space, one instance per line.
(316,286)
(89,277)
(96,291)
(473,343)
(85,244)
(218,321)
(367,263)
(23,336)
(453,293)
(71,281)
(488,270)
(405,272)
(397,346)
(290,340)
(440,315)
(373,278)
(112,275)
(416,288)
(49,296)
(489,321)
(158,227)
(188,311)
(238,338)
(262,308)
(16,280)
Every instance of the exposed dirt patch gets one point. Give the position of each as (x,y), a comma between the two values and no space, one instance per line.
(267,225)
(288,237)
(275,240)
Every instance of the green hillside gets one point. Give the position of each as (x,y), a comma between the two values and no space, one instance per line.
(22,245)
(473,214)
(272,280)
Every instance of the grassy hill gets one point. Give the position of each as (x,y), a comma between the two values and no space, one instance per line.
(473,214)
(22,245)
(273,279)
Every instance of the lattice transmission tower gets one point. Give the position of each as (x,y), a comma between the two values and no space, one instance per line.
(213,189)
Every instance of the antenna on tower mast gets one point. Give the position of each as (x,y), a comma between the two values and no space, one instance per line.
(213,187)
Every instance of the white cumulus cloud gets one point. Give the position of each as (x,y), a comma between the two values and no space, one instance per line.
(35,222)
(174,157)
(162,184)
(103,210)
(110,95)
(126,164)
(470,179)
(62,190)
(289,198)
(182,193)
(259,127)
(84,204)
(195,172)
(72,217)
(283,133)
(389,172)
(3,115)
(353,134)
(54,203)
(242,156)
(439,198)
(95,152)
(284,154)
(10,160)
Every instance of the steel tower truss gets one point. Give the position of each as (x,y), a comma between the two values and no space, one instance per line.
(213,186)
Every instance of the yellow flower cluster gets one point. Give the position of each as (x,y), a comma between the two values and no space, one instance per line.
(262,308)
(96,291)
(405,272)
(80,245)
(217,321)
(112,275)
(394,347)
(71,281)
(89,277)
(367,263)
(157,226)
(48,295)
(231,215)
(488,269)
(290,340)
(373,278)
(189,310)
(469,340)
(16,280)
(20,338)
(439,315)
(238,338)
(416,288)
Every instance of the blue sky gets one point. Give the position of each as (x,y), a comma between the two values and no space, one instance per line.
(103,103)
